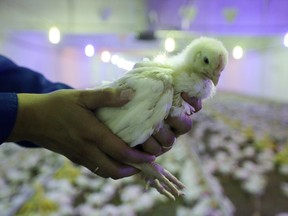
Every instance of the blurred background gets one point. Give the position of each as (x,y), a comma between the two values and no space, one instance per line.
(235,158)
(253,31)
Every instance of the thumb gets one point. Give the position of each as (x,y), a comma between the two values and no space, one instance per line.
(196,103)
(107,97)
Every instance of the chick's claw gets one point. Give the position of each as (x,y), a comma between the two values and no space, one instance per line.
(162,180)
(161,189)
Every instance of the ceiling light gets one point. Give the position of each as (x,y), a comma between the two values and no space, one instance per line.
(125,64)
(115,59)
(54,35)
(105,56)
(89,50)
(237,52)
(169,44)
(285,41)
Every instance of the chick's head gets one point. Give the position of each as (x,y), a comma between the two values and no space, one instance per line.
(207,57)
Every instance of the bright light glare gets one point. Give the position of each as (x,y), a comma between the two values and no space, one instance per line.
(54,35)
(89,50)
(105,56)
(145,59)
(121,62)
(169,44)
(160,58)
(114,59)
(285,41)
(237,52)
(125,64)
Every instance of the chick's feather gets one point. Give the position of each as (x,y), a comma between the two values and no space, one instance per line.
(136,121)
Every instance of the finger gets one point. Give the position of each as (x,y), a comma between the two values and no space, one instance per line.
(166,149)
(101,164)
(151,146)
(108,167)
(195,102)
(179,124)
(113,146)
(165,136)
(107,97)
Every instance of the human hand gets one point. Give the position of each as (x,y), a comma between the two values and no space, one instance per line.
(163,141)
(64,122)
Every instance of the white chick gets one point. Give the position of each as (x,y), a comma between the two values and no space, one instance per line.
(255,184)
(284,187)
(158,85)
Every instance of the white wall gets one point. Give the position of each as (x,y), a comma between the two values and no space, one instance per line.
(59,63)
(262,72)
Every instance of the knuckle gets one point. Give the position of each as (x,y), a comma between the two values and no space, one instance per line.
(128,155)
(169,141)
(108,93)
(79,95)
(122,155)
(152,147)
(187,125)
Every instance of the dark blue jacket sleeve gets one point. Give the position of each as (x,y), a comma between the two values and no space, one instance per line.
(15,79)
(8,112)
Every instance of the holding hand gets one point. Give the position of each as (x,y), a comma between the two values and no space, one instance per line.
(64,122)
(163,141)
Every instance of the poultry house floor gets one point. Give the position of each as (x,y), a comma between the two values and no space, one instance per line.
(233,162)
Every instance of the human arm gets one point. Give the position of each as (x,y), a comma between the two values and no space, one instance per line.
(16,79)
(64,122)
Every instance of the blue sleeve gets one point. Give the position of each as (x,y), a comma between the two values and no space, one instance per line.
(8,112)
(15,79)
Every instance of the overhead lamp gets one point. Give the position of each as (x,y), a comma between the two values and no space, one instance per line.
(169,44)
(285,41)
(54,35)
(105,56)
(89,50)
(115,59)
(237,52)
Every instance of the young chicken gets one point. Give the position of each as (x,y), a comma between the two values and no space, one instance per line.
(158,85)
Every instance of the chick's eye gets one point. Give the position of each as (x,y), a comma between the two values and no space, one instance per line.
(206,60)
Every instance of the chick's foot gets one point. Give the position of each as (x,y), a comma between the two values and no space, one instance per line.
(161,179)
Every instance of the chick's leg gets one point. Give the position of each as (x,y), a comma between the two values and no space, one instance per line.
(162,180)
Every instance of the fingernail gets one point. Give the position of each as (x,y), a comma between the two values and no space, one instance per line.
(127,94)
(191,111)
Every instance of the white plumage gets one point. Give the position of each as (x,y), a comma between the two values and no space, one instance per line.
(158,85)
(136,121)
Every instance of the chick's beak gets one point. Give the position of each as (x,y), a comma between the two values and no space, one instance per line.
(215,80)
(218,70)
